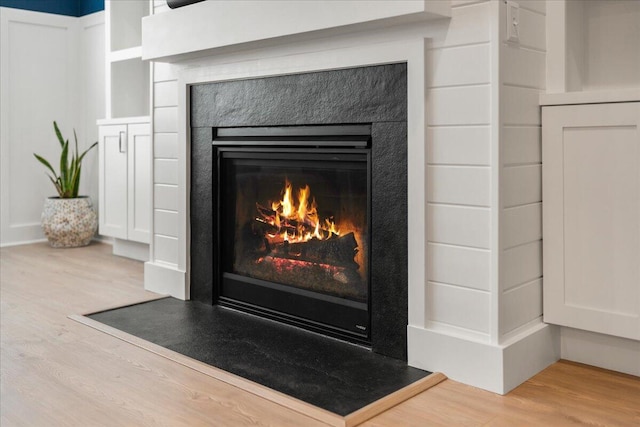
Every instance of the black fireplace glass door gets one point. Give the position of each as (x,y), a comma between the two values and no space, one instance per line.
(296,223)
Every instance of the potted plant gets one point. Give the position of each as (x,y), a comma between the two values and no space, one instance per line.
(68,220)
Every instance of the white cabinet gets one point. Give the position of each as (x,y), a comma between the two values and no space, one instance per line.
(125,136)
(113,181)
(125,179)
(591,217)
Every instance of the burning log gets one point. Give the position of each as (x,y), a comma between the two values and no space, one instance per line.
(266,212)
(338,251)
(289,231)
(270,215)
(263,227)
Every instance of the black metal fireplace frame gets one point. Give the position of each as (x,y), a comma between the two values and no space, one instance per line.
(336,144)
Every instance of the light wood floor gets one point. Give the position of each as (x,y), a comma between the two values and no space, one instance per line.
(56,372)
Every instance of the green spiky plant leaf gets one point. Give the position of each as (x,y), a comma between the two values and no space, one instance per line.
(67,182)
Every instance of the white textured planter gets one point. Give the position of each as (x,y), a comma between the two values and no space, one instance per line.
(69,223)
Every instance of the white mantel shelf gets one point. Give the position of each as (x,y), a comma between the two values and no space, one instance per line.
(204,28)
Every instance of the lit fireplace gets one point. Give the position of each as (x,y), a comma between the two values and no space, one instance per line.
(292,243)
(294,225)
(298,201)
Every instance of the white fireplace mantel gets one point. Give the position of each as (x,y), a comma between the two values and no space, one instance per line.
(461,322)
(207,27)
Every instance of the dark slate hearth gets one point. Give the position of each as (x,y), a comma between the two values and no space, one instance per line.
(325,372)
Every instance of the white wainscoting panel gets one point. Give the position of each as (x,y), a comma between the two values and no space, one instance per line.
(521,264)
(469,24)
(467,145)
(92,78)
(523,107)
(521,145)
(39,84)
(468,105)
(522,224)
(163,71)
(165,94)
(460,307)
(165,119)
(523,77)
(534,6)
(165,171)
(521,185)
(165,146)
(520,305)
(532,30)
(457,265)
(165,197)
(458,225)
(525,67)
(165,249)
(463,65)
(166,222)
(461,185)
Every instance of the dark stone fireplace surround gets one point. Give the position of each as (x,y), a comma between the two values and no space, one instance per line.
(375,95)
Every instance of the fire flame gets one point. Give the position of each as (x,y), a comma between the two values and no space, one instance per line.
(297,220)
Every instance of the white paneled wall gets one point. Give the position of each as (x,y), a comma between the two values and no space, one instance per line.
(459,174)
(92,78)
(522,80)
(52,68)
(166,216)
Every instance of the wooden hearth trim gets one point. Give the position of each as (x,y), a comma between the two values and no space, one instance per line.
(391,400)
(353,419)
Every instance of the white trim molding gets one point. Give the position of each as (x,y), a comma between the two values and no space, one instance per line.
(495,367)
(165,280)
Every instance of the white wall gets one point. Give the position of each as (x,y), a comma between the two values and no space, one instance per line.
(45,64)
(92,80)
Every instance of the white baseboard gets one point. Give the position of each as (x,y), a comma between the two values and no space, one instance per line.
(21,234)
(129,249)
(603,351)
(166,280)
(529,353)
(103,239)
(497,368)
(19,243)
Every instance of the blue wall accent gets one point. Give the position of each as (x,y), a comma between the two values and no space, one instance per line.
(58,7)
(85,7)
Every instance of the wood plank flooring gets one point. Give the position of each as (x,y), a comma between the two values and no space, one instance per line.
(57,372)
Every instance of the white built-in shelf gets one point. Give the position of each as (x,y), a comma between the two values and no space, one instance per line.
(130,88)
(124,23)
(125,54)
(592,48)
(123,121)
(128,77)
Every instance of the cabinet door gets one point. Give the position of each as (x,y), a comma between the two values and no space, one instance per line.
(139,203)
(113,181)
(591,217)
